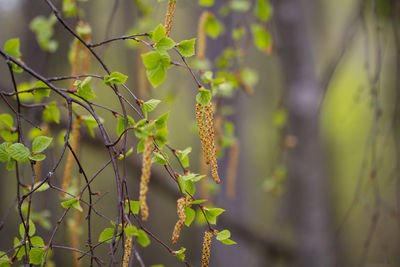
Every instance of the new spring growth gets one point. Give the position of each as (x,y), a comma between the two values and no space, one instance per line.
(169,17)
(75,136)
(212,152)
(145,178)
(205,258)
(201,35)
(202,131)
(127,250)
(181,203)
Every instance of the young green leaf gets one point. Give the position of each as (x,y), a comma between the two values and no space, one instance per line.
(4,261)
(262,39)
(127,154)
(84,89)
(212,214)
(38,157)
(158,33)
(131,230)
(12,47)
(37,255)
(263,10)
(203,97)
(31,231)
(156,64)
(186,47)
(107,234)
(181,254)
(213,27)
(159,158)
(164,44)
(51,113)
(42,188)
(190,215)
(9,136)
(40,143)
(206,2)
(161,122)
(115,77)
(150,106)
(6,121)
(183,156)
(121,124)
(142,238)
(4,157)
(72,203)
(133,206)
(18,152)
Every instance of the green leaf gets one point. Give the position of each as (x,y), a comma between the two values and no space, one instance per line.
(91,123)
(19,253)
(161,122)
(192,177)
(121,124)
(43,28)
(183,156)
(190,215)
(206,2)
(181,254)
(142,238)
(31,231)
(186,47)
(134,206)
(38,157)
(212,214)
(4,157)
(156,63)
(37,241)
(40,143)
(37,255)
(263,10)
(18,152)
(69,8)
(186,186)
(10,164)
(223,235)
(140,146)
(213,27)
(203,97)
(199,201)
(116,78)
(158,33)
(6,121)
(240,5)
(131,230)
(9,136)
(42,188)
(127,154)
(84,89)
(107,234)
(72,203)
(228,242)
(12,47)
(4,261)
(165,44)
(150,106)
(262,39)
(158,157)
(51,113)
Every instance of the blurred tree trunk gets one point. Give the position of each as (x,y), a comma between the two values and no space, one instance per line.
(307,180)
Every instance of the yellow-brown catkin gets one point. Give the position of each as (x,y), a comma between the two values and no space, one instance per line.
(169,17)
(201,35)
(212,152)
(127,251)
(180,207)
(232,170)
(145,179)
(75,62)
(75,136)
(205,258)
(202,131)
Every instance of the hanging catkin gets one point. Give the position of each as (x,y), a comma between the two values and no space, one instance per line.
(202,131)
(201,35)
(127,250)
(169,17)
(75,136)
(145,179)
(205,258)
(181,203)
(212,152)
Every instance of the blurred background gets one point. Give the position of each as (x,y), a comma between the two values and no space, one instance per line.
(317,176)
